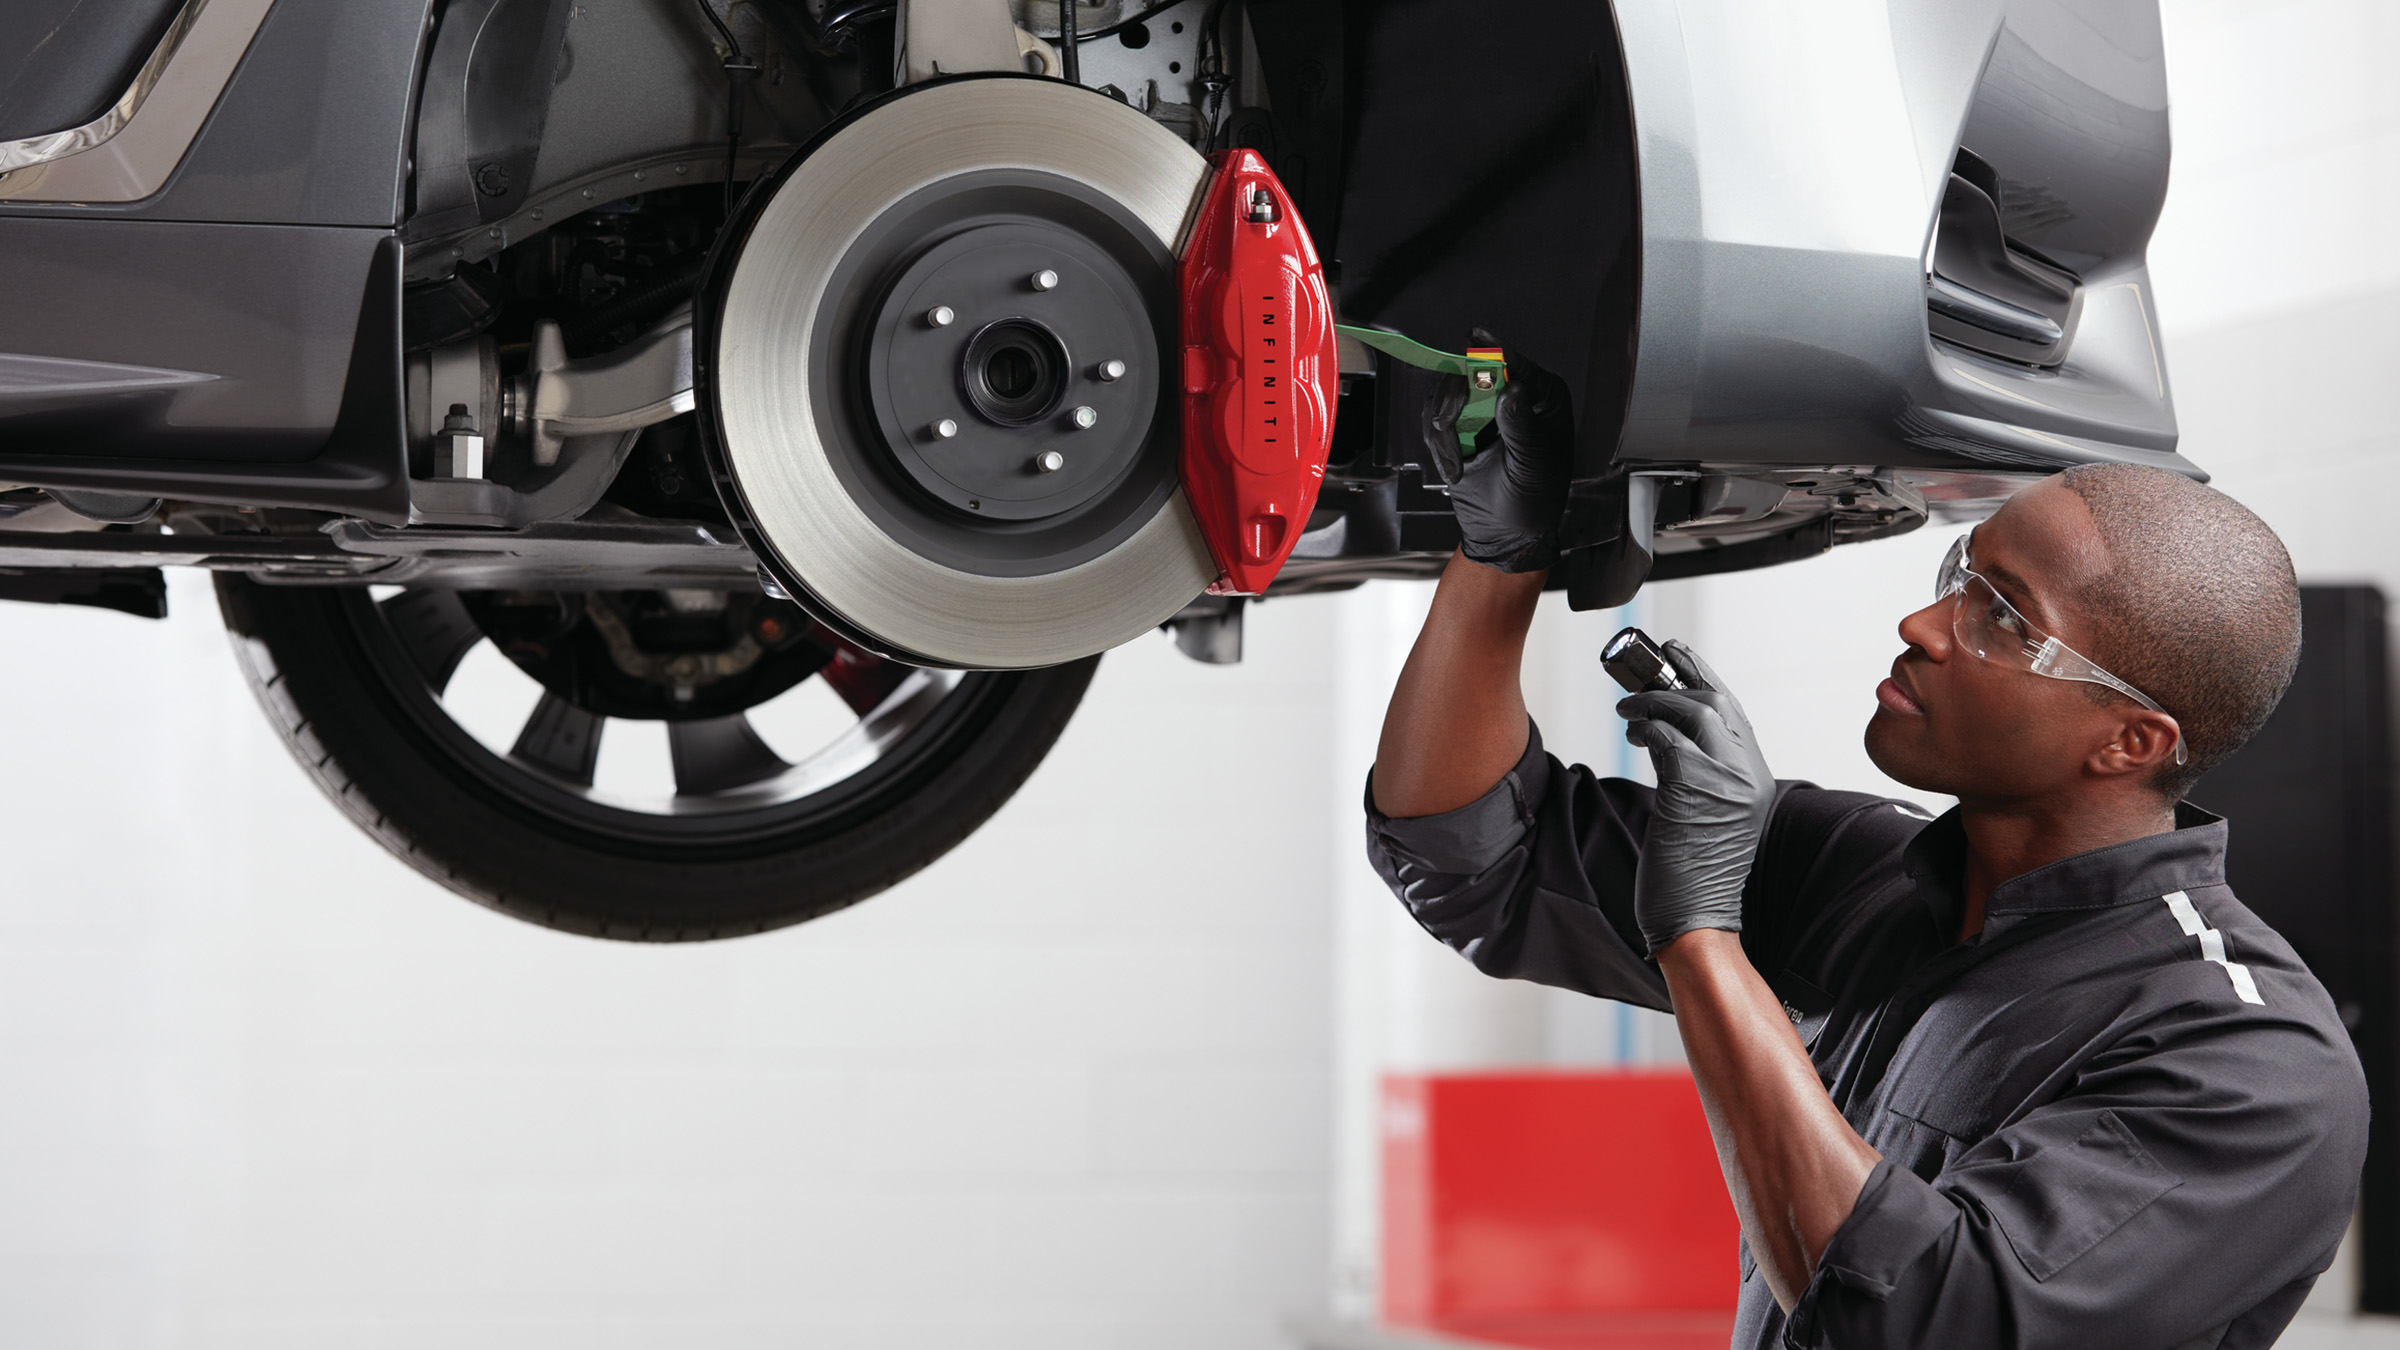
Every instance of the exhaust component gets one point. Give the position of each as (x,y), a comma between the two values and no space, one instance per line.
(1258,353)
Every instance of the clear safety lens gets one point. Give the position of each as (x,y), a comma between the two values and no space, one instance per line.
(1954,570)
(1985,624)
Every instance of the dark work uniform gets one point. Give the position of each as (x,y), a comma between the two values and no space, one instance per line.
(2123,1115)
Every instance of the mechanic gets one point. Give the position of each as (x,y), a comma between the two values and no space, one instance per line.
(2028,1074)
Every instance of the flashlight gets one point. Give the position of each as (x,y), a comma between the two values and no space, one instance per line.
(1636,662)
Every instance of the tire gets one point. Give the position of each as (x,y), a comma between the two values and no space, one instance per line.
(360,708)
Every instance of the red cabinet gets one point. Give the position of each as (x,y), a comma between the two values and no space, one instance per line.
(1566,1211)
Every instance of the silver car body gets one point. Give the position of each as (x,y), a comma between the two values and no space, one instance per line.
(1793,166)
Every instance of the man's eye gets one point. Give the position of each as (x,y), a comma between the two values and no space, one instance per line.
(2000,616)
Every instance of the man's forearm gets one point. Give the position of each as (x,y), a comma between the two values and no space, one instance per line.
(1793,1165)
(1457,718)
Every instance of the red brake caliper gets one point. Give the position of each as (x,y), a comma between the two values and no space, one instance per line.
(1258,360)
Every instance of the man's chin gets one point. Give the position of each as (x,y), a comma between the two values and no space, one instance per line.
(1895,747)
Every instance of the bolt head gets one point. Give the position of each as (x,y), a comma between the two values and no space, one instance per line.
(1049,461)
(1112,370)
(941,316)
(1085,417)
(1045,280)
(945,428)
(1484,379)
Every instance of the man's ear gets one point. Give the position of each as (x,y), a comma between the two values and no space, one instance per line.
(2145,739)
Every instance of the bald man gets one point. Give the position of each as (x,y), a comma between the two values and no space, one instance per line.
(2025,1075)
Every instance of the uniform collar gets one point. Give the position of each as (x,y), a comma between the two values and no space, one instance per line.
(2188,856)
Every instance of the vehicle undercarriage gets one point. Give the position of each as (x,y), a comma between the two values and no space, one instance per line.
(692,356)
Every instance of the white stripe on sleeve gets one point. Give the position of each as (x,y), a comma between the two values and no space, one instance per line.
(2212,946)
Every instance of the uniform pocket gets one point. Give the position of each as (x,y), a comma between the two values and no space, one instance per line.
(2063,1201)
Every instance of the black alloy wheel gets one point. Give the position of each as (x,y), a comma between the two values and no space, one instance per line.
(401,707)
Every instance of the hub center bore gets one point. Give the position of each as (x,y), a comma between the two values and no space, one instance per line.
(1014,372)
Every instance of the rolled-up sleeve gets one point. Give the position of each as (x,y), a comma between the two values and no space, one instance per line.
(2155,1203)
(1533,880)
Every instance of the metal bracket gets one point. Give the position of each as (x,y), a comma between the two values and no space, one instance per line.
(454,404)
(1209,630)
(646,381)
(958,37)
(1719,500)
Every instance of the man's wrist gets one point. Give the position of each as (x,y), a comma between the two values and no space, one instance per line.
(1534,577)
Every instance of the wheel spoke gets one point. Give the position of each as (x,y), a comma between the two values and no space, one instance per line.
(719,754)
(562,739)
(435,630)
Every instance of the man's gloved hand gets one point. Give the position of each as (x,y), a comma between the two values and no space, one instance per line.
(1714,792)
(1509,497)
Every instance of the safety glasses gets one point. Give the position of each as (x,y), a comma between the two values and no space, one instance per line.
(1987,625)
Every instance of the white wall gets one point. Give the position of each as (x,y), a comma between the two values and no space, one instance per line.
(2277,273)
(260,1085)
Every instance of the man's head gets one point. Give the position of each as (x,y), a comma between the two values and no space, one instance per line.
(2171,586)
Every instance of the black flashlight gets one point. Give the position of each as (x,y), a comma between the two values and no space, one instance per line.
(1636,662)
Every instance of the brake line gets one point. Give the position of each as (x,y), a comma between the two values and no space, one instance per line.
(1069,64)
(739,69)
(1211,74)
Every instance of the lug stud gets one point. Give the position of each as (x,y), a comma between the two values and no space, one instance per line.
(1045,280)
(1049,461)
(1084,417)
(940,316)
(1111,370)
(945,428)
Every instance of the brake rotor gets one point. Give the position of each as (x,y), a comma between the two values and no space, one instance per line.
(941,375)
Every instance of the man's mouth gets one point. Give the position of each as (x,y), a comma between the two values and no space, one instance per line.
(1895,696)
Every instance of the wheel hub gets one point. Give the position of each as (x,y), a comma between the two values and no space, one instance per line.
(1003,397)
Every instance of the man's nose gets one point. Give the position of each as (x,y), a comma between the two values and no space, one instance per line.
(1929,628)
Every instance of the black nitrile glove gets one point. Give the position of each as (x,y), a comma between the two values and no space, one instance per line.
(1510,496)
(1714,793)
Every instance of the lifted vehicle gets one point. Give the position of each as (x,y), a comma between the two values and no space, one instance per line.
(699,360)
